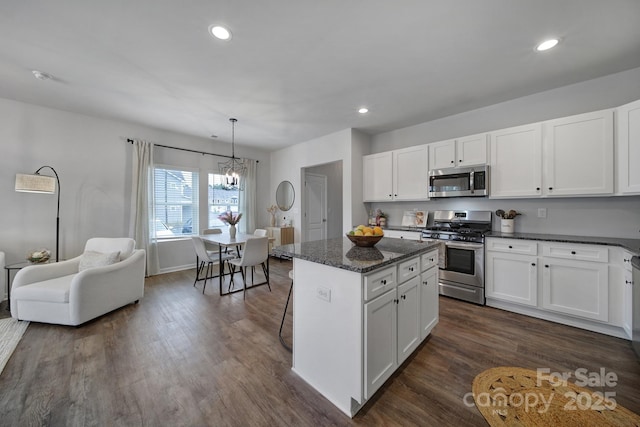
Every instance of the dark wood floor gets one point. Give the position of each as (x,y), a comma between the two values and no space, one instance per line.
(183,358)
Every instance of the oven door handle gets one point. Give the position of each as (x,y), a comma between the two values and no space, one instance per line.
(456,245)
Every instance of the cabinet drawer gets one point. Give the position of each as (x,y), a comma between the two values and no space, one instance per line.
(576,252)
(515,246)
(428,260)
(408,269)
(379,282)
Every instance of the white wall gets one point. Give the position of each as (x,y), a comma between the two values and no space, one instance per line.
(597,94)
(94,164)
(598,216)
(345,145)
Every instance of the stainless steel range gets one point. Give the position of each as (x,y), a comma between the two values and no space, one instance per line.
(462,256)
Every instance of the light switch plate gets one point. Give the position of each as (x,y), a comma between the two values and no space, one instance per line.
(542,212)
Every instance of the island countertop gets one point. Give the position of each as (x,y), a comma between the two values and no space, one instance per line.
(341,253)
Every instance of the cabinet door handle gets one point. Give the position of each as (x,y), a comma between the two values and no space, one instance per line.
(573,252)
(510,247)
(410,268)
(628,282)
(533,264)
(395,300)
(451,161)
(537,188)
(550,188)
(460,161)
(426,283)
(404,297)
(626,260)
(384,282)
(546,266)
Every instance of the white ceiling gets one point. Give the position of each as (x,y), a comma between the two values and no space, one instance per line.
(299,69)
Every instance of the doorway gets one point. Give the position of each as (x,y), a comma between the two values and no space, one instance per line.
(322,201)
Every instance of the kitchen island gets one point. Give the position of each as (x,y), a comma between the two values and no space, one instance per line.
(358,313)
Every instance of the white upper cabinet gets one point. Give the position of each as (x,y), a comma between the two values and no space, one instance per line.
(575,158)
(442,154)
(471,150)
(628,148)
(410,173)
(578,155)
(396,175)
(516,162)
(461,152)
(377,176)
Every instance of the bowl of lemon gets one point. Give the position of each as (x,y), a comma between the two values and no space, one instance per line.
(364,236)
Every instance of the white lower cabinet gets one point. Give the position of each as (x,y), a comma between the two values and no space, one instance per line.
(396,322)
(408,318)
(512,277)
(575,284)
(428,300)
(380,341)
(627,279)
(577,288)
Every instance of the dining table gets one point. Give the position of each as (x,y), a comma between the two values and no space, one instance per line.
(225,242)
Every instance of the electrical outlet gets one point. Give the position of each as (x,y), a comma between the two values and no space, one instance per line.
(324,294)
(542,212)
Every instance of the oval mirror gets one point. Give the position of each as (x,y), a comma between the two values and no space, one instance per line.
(285,195)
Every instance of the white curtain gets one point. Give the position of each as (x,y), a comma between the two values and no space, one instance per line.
(142,206)
(247,200)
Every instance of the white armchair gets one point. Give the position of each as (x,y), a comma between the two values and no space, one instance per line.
(75,291)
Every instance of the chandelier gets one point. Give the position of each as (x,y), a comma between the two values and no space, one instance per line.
(233,168)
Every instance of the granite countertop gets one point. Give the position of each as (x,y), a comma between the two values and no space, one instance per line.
(341,253)
(632,245)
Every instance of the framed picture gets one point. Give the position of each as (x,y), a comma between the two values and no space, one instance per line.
(415,219)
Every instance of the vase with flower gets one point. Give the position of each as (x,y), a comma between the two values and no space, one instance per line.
(272,210)
(231,219)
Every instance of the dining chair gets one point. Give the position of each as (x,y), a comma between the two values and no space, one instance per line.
(260,232)
(256,252)
(209,258)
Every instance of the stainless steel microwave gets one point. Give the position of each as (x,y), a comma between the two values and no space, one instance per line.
(459,182)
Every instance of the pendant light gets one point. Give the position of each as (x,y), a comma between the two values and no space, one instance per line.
(233,169)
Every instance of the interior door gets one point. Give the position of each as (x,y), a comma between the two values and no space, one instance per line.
(315,209)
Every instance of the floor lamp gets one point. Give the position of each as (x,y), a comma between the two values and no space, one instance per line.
(42,184)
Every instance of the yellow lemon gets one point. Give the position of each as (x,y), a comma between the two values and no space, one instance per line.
(377,231)
(368,233)
(360,227)
(366,230)
(358,233)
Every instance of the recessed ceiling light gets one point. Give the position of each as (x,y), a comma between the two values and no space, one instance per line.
(41,76)
(547,44)
(363,110)
(220,32)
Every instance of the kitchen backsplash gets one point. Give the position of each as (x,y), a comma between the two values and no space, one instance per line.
(597,216)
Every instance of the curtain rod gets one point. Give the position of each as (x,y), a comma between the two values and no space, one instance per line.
(191,151)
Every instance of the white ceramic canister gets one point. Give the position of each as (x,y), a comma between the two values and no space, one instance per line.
(507,226)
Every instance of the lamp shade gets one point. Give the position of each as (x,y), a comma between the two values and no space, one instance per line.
(35,183)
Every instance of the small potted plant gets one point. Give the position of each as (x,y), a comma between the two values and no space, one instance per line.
(381,218)
(507,220)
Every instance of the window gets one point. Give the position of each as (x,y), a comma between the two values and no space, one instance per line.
(220,199)
(176,202)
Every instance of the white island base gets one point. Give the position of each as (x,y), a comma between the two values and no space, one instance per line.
(351,330)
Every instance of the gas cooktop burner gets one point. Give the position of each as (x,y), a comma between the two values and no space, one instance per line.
(464,226)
